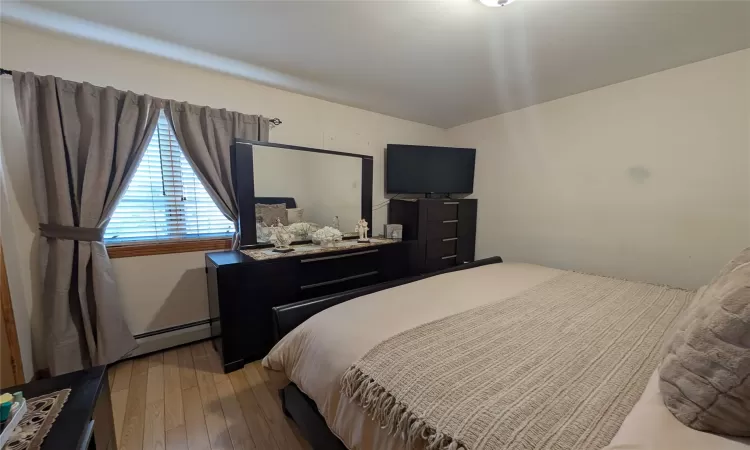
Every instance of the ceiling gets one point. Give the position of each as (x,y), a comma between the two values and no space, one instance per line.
(442,63)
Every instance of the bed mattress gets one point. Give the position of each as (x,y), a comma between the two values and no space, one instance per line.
(316,354)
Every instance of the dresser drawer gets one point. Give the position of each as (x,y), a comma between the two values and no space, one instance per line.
(322,268)
(440,263)
(437,248)
(441,230)
(439,211)
(340,285)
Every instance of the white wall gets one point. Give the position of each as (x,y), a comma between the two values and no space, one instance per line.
(647,179)
(335,186)
(161,291)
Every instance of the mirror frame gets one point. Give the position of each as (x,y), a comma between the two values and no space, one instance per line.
(243,183)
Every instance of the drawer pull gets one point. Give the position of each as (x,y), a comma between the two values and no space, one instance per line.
(339,280)
(326,258)
(450,203)
(451,221)
(450,239)
(448,257)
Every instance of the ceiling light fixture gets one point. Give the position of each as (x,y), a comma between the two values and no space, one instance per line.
(494,3)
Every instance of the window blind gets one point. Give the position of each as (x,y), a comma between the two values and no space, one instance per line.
(165,200)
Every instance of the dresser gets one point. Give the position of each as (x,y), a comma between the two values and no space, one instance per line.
(443,231)
(243,286)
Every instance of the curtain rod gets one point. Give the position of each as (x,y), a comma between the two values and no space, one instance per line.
(275,121)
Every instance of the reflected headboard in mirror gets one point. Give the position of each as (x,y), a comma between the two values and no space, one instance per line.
(299,185)
(289,202)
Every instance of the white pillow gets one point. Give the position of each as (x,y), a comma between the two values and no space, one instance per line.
(294,215)
(269,213)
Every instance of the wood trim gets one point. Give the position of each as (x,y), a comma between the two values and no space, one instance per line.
(9,324)
(167,247)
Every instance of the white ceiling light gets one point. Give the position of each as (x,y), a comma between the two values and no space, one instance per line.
(494,3)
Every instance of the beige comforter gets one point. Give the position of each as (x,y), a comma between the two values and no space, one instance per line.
(316,354)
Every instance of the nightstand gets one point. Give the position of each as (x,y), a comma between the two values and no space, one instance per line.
(85,421)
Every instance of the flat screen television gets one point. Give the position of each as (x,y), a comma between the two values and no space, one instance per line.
(419,169)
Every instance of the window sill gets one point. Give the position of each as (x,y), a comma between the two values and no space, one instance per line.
(167,247)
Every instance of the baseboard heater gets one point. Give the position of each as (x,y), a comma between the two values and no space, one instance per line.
(158,340)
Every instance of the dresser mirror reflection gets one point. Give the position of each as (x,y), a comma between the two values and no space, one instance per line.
(300,188)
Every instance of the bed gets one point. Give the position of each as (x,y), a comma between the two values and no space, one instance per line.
(314,358)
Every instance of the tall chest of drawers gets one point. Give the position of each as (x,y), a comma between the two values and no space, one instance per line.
(443,231)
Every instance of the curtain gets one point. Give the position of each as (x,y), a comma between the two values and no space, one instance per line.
(84,144)
(205,135)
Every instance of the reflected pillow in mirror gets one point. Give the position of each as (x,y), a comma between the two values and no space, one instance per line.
(269,213)
(294,215)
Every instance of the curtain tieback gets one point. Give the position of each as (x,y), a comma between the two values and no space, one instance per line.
(64,232)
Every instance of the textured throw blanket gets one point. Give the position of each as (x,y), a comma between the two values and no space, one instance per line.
(556,367)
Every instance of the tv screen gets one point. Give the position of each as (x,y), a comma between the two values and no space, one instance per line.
(417,169)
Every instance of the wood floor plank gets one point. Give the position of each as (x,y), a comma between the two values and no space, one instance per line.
(177,439)
(216,425)
(261,371)
(155,359)
(155,380)
(195,423)
(173,415)
(267,381)
(132,428)
(238,430)
(119,405)
(180,400)
(199,350)
(213,357)
(274,416)
(122,375)
(300,440)
(140,365)
(292,426)
(153,432)
(187,369)
(256,422)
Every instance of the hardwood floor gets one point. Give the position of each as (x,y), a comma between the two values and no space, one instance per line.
(181,400)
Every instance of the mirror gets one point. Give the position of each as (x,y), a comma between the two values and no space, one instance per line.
(306,189)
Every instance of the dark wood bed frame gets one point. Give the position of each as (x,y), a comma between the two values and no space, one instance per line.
(298,406)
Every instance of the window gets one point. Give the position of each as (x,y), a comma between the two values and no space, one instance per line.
(165,201)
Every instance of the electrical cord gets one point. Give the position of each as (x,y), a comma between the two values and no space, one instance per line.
(382,204)
(387,200)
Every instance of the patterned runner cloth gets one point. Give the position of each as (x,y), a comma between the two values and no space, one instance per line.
(36,423)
